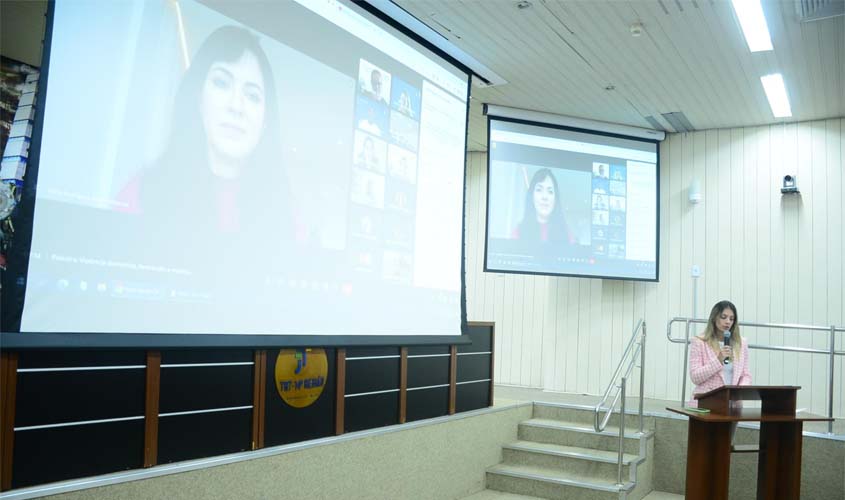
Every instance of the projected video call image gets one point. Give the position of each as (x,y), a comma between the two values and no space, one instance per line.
(399,231)
(288,156)
(404,130)
(397,266)
(544,206)
(600,217)
(372,117)
(560,202)
(617,203)
(405,98)
(367,189)
(370,152)
(601,170)
(366,223)
(617,188)
(401,196)
(599,201)
(394,195)
(374,82)
(402,164)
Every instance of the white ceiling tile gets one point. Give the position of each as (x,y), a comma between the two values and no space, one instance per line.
(559,55)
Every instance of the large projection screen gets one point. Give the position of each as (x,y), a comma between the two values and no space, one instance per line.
(261,167)
(572,202)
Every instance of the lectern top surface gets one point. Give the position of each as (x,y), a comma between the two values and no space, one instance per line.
(750,392)
(749,415)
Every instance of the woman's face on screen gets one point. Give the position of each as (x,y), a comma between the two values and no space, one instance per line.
(544,198)
(232,107)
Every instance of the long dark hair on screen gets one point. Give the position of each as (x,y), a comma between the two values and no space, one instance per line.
(182,174)
(529,228)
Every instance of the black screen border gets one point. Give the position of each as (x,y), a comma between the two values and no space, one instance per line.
(587,131)
(13,280)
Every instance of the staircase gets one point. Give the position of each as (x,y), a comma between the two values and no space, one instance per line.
(559,454)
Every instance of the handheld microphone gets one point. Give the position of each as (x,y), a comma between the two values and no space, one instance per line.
(727,343)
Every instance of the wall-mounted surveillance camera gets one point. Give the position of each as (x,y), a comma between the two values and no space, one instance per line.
(789,185)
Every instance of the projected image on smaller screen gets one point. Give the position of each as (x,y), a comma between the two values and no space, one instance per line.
(544,212)
(569,202)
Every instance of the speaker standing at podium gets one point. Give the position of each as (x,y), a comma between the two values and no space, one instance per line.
(713,364)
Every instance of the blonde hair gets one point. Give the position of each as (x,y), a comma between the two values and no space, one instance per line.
(711,333)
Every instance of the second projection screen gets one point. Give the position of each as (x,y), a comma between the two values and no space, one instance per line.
(571,202)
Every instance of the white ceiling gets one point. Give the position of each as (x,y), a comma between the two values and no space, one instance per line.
(559,56)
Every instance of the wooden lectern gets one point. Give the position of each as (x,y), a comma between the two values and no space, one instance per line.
(709,441)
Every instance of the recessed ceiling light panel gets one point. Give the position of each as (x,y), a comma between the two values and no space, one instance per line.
(776,94)
(753,23)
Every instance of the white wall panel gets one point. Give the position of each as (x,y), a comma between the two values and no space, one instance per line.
(778,257)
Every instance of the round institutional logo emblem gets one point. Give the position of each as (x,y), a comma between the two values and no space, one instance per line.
(301,375)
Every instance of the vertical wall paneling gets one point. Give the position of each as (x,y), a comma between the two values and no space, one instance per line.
(819,266)
(340,391)
(453,377)
(604,360)
(804,258)
(699,229)
(403,384)
(778,257)
(750,292)
(492,360)
(151,406)
(527,327)
(736,219)
(723,266)
(539,333)
(259,382)
(549,336)
(671,194)
(762,258)
(710,207)
(582,374)
(8,389)
(517,311)
(789,206)
(777,254)
(835,250)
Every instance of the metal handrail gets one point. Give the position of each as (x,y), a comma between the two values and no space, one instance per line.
(631,351)
(831,352)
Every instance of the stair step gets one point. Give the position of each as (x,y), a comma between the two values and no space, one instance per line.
(576,452)
(610,430)
(575,460)
(551,483)
(586,415)
(541,430)
(497,495)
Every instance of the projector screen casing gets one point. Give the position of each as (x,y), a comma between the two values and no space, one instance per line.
(15,278)
(508,119)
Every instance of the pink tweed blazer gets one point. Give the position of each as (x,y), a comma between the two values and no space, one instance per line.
(705,370)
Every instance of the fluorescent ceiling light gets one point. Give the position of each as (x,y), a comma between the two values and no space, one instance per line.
(753,22)
(776,93)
